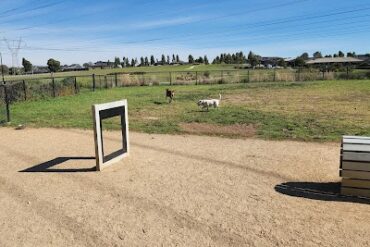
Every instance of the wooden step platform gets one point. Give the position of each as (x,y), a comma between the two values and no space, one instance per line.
(355,166)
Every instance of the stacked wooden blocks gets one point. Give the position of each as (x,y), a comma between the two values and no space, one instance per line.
(355,166)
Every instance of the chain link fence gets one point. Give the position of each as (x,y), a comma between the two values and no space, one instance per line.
(3,105)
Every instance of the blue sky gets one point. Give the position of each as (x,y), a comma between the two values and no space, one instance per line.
(82,31)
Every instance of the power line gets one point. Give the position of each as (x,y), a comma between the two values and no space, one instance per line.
(44,6)
(245,26)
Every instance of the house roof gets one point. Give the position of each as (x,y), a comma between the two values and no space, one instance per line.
(334,60)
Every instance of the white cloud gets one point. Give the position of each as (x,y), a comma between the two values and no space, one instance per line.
(164,22)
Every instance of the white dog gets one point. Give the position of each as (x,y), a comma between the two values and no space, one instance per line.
(206,103)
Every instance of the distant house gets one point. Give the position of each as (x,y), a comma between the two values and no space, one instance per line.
(73,67)
(334,60)
(178,63)
(243,66)
(332,63)
(270,62)
(40,69)
(102,65)
(290,61)
(366,61)
(260,66)
(363,56)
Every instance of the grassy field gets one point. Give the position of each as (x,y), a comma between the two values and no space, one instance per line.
(302,111)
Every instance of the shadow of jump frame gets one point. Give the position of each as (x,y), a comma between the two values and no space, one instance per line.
(48,165)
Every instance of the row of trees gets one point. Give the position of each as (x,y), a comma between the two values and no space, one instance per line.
(240,58)
(144,61)
(318,54)
(237,58)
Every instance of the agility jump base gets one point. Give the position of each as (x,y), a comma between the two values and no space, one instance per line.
(105,111)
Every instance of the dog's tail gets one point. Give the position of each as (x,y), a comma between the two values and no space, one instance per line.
(220,96)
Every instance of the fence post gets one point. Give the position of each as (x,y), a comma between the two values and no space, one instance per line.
(299,74)
(53,85)
(222,76)
(196,77)
(170,78)
(116,79)
(75,84)
(106,81)
(347,72)
(248,77)
(274,75)
(94,82)
(24,90)
(323,75)
(7,103)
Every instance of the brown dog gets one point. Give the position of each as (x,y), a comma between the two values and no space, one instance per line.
(170,94)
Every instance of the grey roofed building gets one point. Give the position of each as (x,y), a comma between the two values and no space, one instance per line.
(327,60)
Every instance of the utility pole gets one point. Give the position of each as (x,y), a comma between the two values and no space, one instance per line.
(14,46)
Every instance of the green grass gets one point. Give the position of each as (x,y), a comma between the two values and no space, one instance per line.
(300,111)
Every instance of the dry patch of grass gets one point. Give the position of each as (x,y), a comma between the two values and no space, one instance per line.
(240,130)
(341,101)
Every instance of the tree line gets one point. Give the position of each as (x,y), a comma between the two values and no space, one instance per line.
(224,58)
(151,61)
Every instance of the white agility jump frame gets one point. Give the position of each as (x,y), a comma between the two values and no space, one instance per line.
(105,111)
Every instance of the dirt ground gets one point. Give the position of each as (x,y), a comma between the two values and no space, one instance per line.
(173,191)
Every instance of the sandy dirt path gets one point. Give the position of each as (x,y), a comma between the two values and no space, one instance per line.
(173,191)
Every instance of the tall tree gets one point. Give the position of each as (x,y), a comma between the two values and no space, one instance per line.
(53,65)
(177,58)
(163,60)
(152,60)
(305,56)
(199,60)
(253,59)
(142,62)
(133,62)
(191,59)
(216,60)
(222,58)
(173,58)
(117,62)
(206,60)
(340,54)
(168,59)
(299,61)
(27,65)
(146,61)
(317,55)
(351,54)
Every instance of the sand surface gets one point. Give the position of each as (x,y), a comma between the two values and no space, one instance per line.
(173,191)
